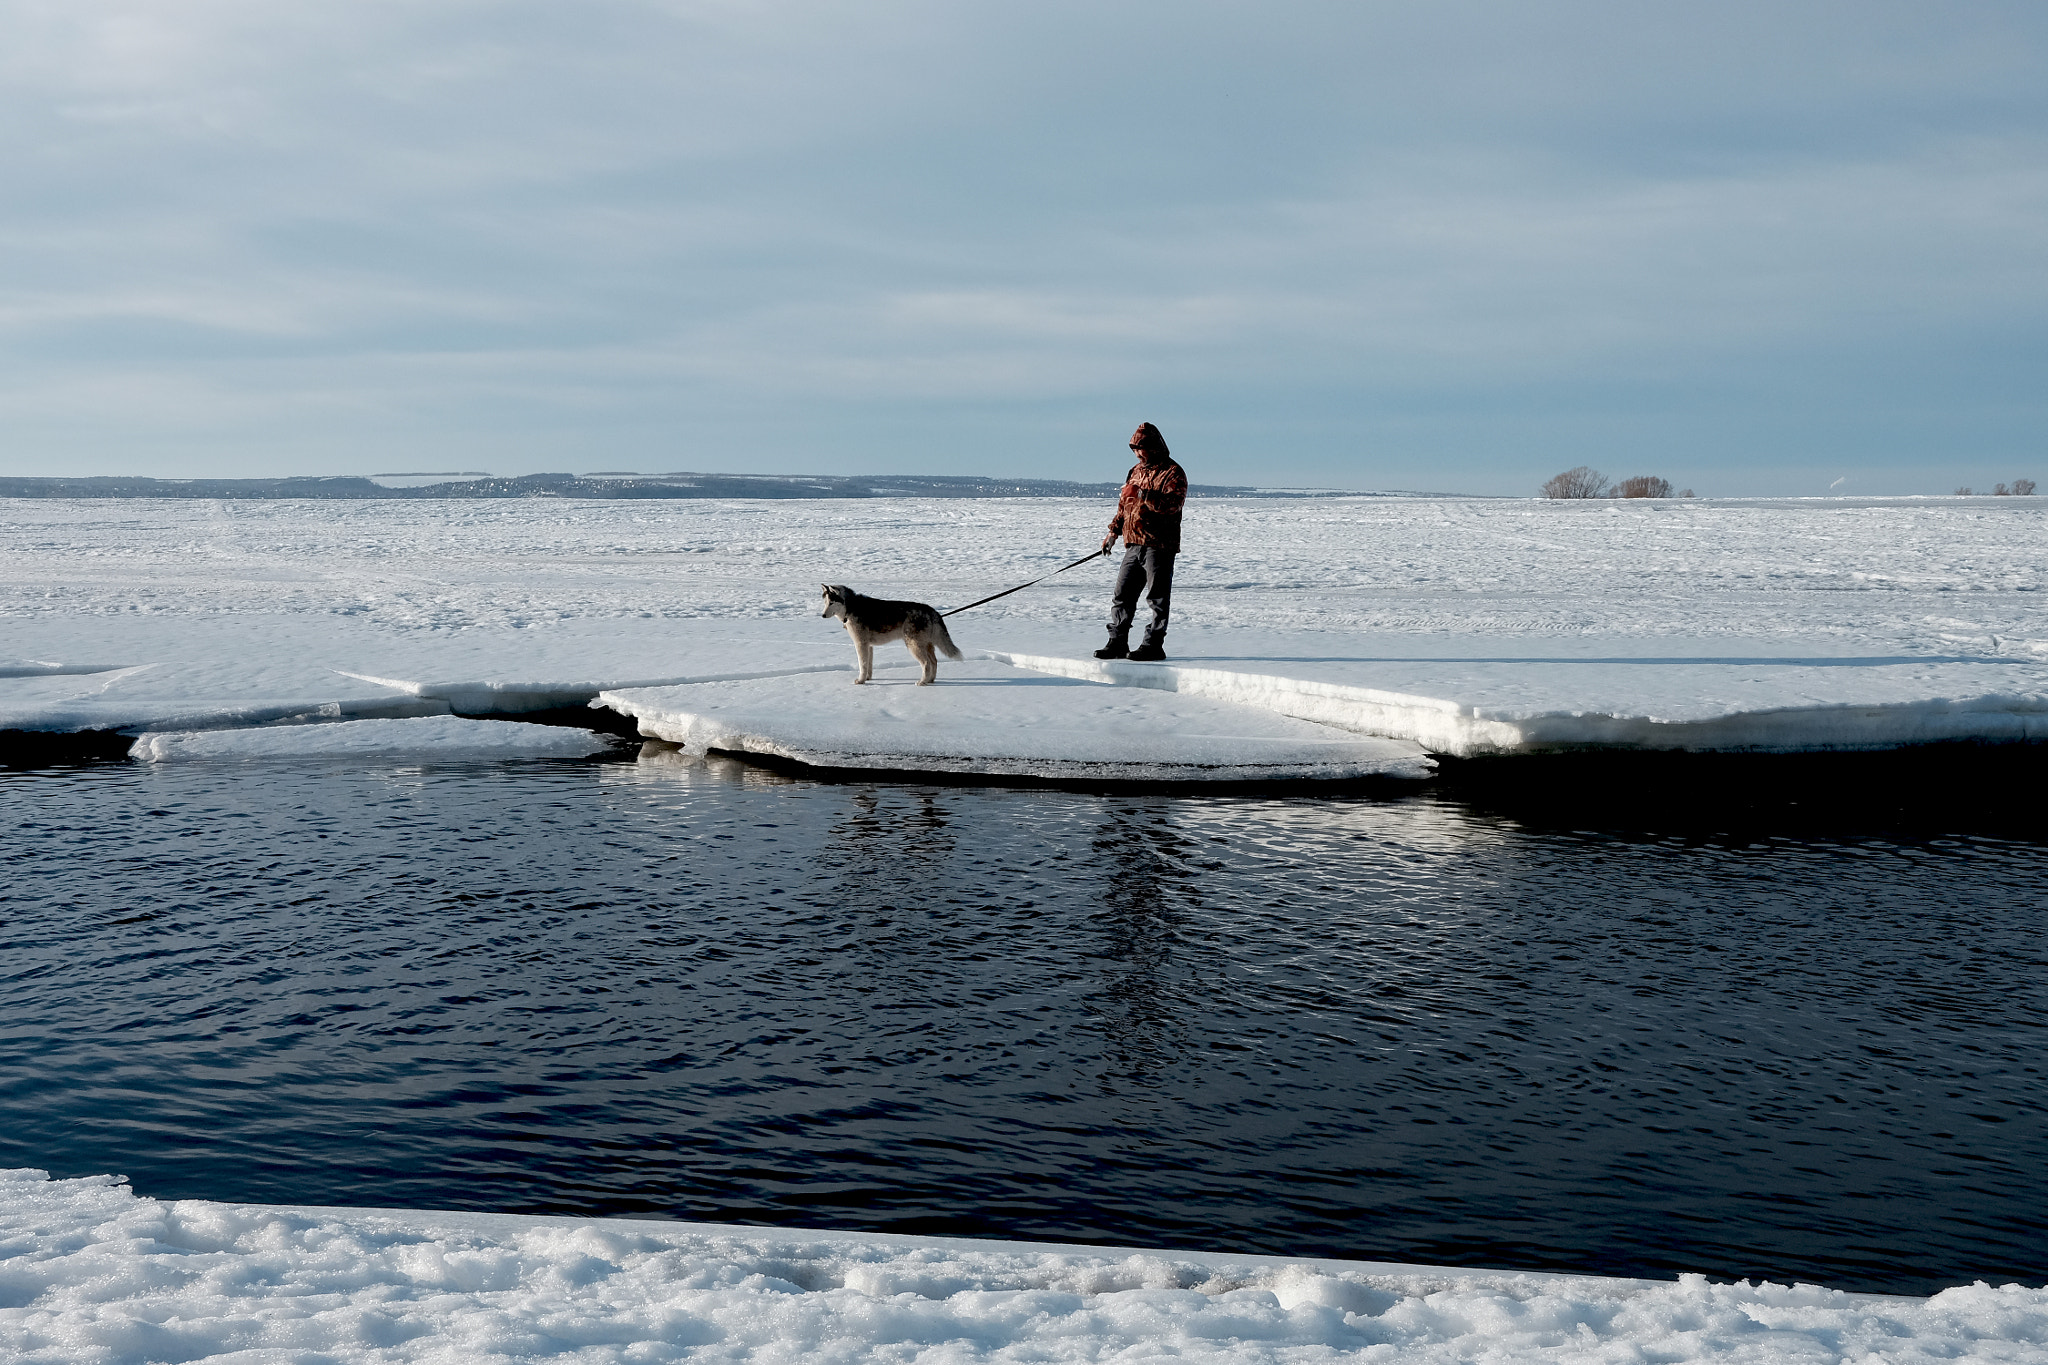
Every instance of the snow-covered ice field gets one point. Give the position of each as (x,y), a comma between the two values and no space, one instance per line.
(1464,626)
(94,1273)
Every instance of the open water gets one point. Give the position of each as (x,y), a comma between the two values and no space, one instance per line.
(1415,1028)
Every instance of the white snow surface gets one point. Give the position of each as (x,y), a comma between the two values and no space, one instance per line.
(425,737)
(93,1274)
(1465,625)
(992,719)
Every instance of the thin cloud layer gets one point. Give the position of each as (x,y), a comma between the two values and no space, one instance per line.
(1456,247)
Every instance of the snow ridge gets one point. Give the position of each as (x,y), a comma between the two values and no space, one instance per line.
(1443,726)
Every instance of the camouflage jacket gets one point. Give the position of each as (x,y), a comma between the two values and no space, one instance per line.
(1148,509)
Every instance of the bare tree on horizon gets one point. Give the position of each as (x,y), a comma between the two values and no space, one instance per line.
(1580,482)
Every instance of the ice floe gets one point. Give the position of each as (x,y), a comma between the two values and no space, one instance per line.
(95,1274)
(987,718)
(1465,626)
(499,672)
(211,694)
(215,673)
(1641,698)
(428,737)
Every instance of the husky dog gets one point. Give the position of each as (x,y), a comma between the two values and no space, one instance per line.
(872,621)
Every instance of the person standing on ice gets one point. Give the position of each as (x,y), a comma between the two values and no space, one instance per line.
(1148,518)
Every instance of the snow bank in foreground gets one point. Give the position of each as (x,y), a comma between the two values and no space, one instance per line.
(989,718)
(444,737)
(90,1273)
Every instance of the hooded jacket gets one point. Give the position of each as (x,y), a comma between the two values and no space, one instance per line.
(1148,509)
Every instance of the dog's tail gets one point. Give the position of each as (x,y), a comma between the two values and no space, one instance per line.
(943,638)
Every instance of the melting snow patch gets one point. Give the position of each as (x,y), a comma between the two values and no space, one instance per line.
(987,718)
(91,1274)
(447,737)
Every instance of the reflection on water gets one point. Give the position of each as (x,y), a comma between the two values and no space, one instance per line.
(1396,1029)
(1151,895)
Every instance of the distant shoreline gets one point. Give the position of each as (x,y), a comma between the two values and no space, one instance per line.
(678,485)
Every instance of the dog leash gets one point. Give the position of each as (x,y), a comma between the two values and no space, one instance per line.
(1095,554)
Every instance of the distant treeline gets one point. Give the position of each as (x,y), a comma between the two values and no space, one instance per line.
(599,486)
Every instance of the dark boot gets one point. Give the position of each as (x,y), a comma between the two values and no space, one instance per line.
(1119,647)
(1147,653)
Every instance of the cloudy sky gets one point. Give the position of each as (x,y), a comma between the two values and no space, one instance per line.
(1754,247)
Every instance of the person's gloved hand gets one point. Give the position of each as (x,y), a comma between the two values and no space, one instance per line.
(1108,541)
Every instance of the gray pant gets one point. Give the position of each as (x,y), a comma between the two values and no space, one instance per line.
(1149,569)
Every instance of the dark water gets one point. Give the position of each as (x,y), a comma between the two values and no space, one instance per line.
(1403,1029)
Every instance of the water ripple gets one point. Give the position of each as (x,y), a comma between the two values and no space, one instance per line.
(1387,1029)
